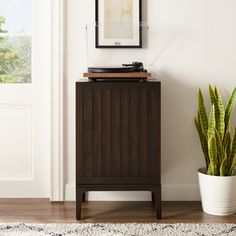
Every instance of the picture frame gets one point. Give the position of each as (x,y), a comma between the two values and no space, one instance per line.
(118,24)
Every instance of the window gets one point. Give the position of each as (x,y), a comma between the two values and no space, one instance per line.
(15,41)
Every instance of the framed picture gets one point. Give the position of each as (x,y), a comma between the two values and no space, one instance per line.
(118,24)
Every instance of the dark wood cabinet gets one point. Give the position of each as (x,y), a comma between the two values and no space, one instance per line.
(118,144)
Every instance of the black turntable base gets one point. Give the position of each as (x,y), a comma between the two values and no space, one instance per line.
(112,79)
(110,69)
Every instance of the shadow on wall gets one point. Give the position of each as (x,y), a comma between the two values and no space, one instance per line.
(181,152)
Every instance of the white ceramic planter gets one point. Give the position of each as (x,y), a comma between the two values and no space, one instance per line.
(218,193)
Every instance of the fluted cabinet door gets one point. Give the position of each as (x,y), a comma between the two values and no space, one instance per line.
(118,133)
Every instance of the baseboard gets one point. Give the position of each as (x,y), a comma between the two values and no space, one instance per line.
(172,192)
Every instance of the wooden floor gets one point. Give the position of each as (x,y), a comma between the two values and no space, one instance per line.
(42,211)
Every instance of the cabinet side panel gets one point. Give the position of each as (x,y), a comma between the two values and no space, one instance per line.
(88,133)
(79,132)
(154,134)
(158,141)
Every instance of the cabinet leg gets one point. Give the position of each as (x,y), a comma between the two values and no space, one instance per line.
(153,198)
(157,198)
(84,198)
(79,198)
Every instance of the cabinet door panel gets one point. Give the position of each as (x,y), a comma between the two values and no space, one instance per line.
(118,133)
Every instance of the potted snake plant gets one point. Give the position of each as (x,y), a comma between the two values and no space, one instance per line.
(217,180)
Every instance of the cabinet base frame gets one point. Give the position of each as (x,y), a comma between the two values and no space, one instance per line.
(82,189)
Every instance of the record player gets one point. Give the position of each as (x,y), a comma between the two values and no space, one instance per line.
(125,68)
(127,72)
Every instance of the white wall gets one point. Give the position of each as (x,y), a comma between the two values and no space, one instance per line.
(191,43)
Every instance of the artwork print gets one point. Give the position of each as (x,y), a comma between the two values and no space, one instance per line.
(118,23)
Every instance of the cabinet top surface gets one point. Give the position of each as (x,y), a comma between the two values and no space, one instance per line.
(148,81)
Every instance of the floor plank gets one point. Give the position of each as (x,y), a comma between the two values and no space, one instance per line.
(42,211)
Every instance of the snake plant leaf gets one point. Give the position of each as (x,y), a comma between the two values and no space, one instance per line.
(212,150)
(212,95)
(227,143)
(223,167)
(226,138)
(233,165)
(230,107)
(213,98)
(219,145)
(202,112)
(220,114)
(203,140)
(209,170)
(233,150)
(211,126)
